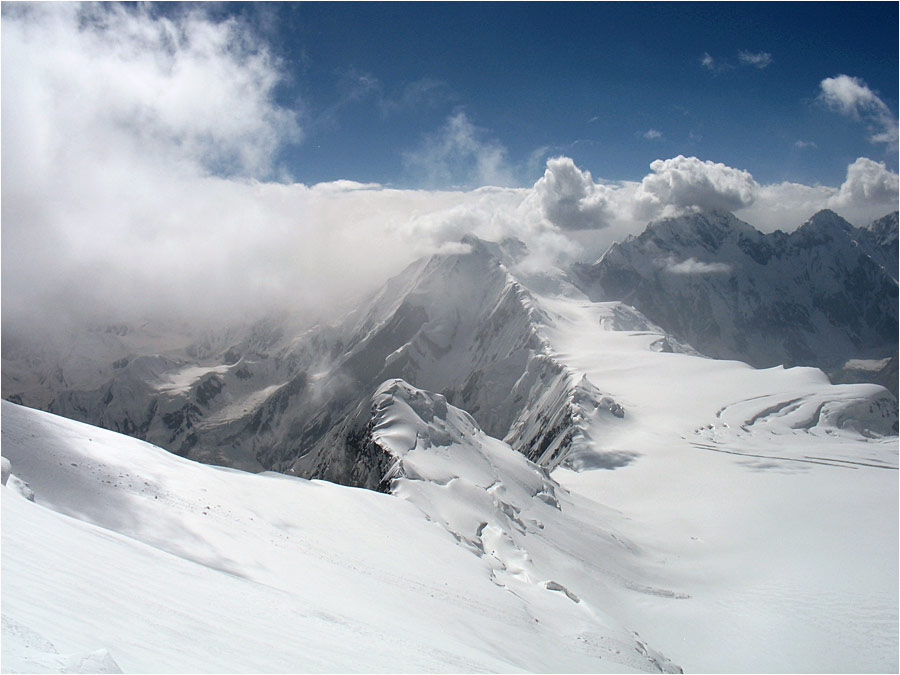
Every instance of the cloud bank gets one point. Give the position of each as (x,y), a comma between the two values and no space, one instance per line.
(139,182)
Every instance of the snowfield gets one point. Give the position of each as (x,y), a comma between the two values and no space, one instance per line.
(767,496)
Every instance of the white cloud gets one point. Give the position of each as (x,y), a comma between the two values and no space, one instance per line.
(688,182)
(424,92)
(757,60)
(869,191)
(852,97)
(694,266)
(652,134)
(867,182)
(195,90)
(126,194)
(752,59)
(711,64)
(569,198)
(459,154)
(799,143)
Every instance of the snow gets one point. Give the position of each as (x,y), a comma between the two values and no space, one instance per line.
(683,510)
(173,566)
(758,493)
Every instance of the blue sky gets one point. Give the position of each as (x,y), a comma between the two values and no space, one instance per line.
(614,86)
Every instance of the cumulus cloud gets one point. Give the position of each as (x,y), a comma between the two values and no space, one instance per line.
(757,60)
(459,153)
(569,198)
(867,182)
(694,266)
(852,97)
(688,182)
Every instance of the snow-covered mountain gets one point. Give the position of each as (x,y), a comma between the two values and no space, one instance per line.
(693,528)
(570,487)
(822,295)
(879,240)
(267,399)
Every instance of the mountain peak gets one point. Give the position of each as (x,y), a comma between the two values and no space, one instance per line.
(707,229)
(885,228)
(508,250)
(826,224)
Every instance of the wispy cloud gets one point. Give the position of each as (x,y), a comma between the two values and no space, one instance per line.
(426,92)
(355,86)
(799,143)
(713,65)
(652,134)
(852,97)
(757,60)
(459,153)
(717,65)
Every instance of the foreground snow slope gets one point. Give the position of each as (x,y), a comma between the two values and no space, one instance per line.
(769,496)
(132,558)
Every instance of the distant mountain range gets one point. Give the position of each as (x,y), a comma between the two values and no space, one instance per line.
(824,295)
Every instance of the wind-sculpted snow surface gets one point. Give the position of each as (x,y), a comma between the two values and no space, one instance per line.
(136,560)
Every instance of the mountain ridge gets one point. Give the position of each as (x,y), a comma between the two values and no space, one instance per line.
(816,296)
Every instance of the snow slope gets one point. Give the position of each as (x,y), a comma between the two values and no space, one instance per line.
(132,558)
